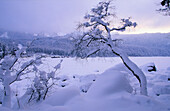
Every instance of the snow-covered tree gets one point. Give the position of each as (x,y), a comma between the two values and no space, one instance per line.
(165,7)
(97,37)
(42,82)
(3,51)
(10,72)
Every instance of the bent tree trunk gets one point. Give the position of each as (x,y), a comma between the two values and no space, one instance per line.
(99,30)
(136,71)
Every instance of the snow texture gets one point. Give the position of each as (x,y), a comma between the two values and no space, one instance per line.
(113,89)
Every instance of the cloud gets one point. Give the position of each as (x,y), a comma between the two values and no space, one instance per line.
(145,14)
(62,15)
(42,15)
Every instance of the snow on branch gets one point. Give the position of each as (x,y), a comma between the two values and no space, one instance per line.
(19,73)
(126,23)
(98,38)
(42,83)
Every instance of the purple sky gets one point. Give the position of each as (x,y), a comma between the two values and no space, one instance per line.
(62,16)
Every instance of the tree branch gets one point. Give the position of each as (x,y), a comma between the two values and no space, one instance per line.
(13,63)
(20,72)
(94,52)
(47,90)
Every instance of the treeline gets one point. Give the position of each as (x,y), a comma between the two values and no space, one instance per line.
(134,45)
(48,51)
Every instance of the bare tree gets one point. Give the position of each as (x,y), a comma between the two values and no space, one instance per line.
(165,9)
(97,37)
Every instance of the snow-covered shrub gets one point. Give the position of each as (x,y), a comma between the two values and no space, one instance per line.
(12,70)
(42,83)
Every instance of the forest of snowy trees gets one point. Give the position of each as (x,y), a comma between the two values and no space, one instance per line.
(145,44)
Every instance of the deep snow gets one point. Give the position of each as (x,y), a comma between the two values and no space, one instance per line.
(108,84)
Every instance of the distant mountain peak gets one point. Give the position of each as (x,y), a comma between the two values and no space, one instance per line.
(4,35)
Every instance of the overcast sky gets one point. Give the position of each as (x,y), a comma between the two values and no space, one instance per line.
(62,16)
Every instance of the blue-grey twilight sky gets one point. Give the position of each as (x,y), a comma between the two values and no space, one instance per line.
(62,16)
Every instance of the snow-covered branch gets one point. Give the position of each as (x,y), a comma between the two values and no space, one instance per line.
(42,83)
(19,73)
(9,73)
(126,23)
(98,37)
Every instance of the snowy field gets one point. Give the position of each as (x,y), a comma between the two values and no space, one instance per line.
(71,66)
(102,84)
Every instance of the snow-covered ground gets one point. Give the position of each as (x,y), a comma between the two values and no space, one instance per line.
(72,66)
(103,84)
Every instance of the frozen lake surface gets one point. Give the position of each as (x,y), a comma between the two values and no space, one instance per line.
(72,66)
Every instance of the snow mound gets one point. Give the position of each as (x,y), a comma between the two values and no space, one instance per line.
(5,109)
(121,101)
(109,91)
(112,91)
(60,97)
(108,83)
(161,88)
